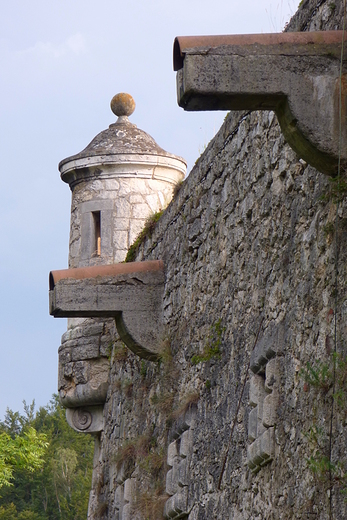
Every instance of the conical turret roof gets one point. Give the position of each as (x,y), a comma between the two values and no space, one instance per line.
(122,138)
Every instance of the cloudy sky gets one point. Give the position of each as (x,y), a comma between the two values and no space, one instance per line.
(61,62)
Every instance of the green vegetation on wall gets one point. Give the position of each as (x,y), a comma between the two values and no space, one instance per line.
(146,232)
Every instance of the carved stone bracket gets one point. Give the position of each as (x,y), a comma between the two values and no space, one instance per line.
(88,419)
(295,74)
(131,293)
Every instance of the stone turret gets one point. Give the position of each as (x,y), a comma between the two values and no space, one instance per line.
(117,182)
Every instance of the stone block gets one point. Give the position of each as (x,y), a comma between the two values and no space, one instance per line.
(254,452)
(67,369)
(253,424)
(172,481)
(270,409)
(256,390)
(129,489)
(180,426)
(89,328)
(136,198)
(119,497)
(61,378)
(120,239)
(172,453)
(169,509)
(120,476)
(105,346)
(189,418)
(83,395)
(96,205)
(260,425)
(153,202)
(183,472)
(119,256)
(268,346)
(64,355)
(106,234)
(89,349)
(177,504)
(271,374)
(98,371)
(112,185)
(140,211)
(121,224)
(136,226)
(87,235)
(194,230)
(66,336)
(127,512)
(80,372)
(267,445)
(74,333)
(128,186)
(186,443)
(123,208)
(258,356)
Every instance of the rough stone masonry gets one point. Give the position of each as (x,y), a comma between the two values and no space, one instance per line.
(253,241)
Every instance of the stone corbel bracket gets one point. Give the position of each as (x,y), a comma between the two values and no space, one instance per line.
(297,75)
(131,293)
(88,419)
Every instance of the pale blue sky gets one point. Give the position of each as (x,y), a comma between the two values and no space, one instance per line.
(61,62)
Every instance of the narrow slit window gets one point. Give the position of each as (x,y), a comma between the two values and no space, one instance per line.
(97,233)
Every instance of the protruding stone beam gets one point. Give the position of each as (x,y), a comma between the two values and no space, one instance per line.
(295,74)
(131,293)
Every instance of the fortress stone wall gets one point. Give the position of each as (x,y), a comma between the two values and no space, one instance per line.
(224,426)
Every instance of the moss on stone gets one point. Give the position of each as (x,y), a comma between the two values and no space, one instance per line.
(146,232)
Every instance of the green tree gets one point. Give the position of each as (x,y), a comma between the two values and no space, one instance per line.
(59,488)
(26,452)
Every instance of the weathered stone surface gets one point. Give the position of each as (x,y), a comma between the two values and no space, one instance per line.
(132,295)
(84,383)
(176,505)
(263,253)
(256,390)
(172,453)
(253,425)
(270,344)
(294,74)
(105,296)
(86,420)
(269,415)
(185,443)
(172,480)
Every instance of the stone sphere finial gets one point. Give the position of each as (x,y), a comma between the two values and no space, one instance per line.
(123,104)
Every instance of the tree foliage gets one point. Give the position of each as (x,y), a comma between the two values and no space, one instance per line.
(24,452)
(45,466)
